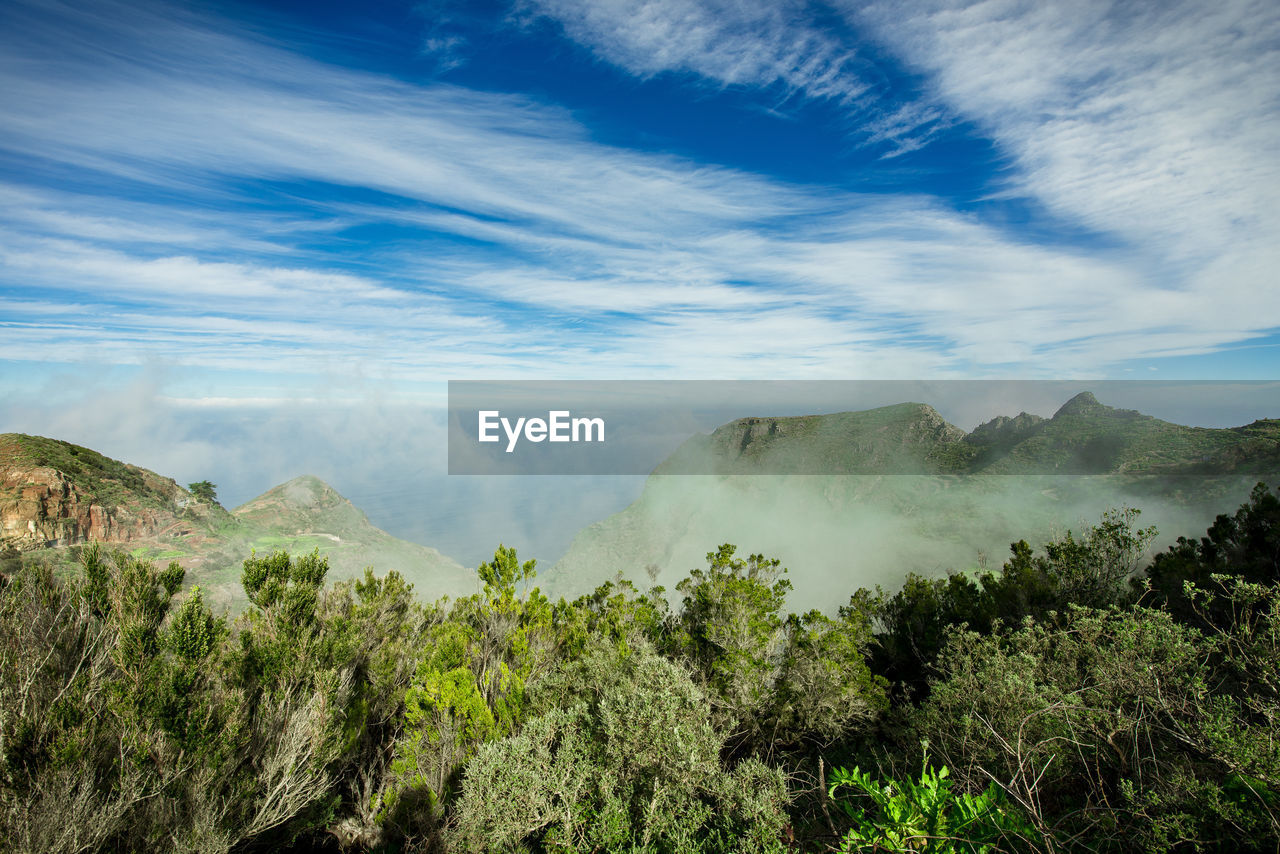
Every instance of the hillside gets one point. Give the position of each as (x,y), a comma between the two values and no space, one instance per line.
(860,498)
(908,438)
(1088,437)
(54,495)
(306,513)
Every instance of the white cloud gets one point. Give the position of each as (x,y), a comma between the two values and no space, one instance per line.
(555,255)
(1151,122)
(729,42)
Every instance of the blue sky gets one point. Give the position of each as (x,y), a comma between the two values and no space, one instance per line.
(297,201)
(265,200)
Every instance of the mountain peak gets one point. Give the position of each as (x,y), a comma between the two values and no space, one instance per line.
(1002,428)
(1083,403)
(307,491)
(303,494)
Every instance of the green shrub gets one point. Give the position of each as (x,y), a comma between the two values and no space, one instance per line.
(627,761)
(1100,726)
(926,815)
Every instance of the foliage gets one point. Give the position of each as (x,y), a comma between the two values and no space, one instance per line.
(731,632)
(824,688)
(1240,725)
(1245,544)
(615,610)
(772,678)
(1095,726)
(111,719)
(204,491)
(1092,570)
(627,761)
(1062,714)
(926,815)
(468,688)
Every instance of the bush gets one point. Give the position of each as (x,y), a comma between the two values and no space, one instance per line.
(626,760)
(1245,544)
(774,680)
(1092,569)
(1095,725)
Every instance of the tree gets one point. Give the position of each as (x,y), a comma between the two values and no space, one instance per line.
(203,490)
(1092,569)
(1112,731)
(468,689)
(1246,544)
(731,630)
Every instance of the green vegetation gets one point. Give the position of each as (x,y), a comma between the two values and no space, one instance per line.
(817,489)
(204,491)
(927,815)
(1083,437)
(162,523)
(1075,699)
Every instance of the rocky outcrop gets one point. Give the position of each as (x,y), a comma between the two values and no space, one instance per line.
(54,493)
(41,506)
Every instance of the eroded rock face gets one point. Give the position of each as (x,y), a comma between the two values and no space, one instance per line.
(39,506)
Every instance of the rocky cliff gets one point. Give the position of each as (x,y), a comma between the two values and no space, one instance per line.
(57,494)
(906,438)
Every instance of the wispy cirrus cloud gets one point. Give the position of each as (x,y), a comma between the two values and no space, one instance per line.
(731,43)
(1151,122)
(788,52)
(1149,125)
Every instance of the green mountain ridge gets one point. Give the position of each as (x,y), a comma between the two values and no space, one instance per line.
(1083,437)
(906,438)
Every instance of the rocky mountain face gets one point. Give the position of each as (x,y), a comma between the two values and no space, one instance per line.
(861,498)
(1088,437)
(1004,430)
(58,494)
(1083,437)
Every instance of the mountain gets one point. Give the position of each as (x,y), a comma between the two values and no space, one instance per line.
(306,513)
(860,498)
(54,494)
(1088,437)
(908,438)
(1083,437)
